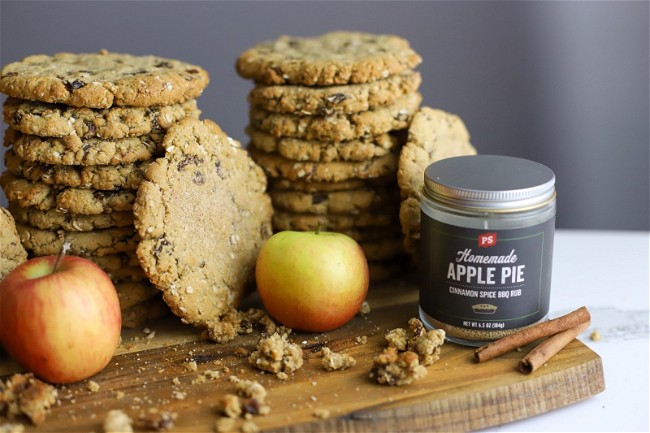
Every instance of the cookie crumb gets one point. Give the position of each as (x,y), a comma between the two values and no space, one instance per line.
(157,420)
(322,413)
(93,386)
(179,395)
(397,338)
(224,425)
(249,427)
(117,421)
(12,428)
(251,389)
(595,336)
(276,354)
(365,308)
(230,406)
(332,361)
(241,352)
(191,366)
(425,343)
(361,339)
(23,394)
(397,368)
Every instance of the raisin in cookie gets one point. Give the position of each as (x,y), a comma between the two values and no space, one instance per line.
(297,149)
(100,177)
(324,101)
(55,120)
(12,252)
(102,80)
(93,151)
(338,127)
(336,171)
(433,135)
(329,59)
(203,214)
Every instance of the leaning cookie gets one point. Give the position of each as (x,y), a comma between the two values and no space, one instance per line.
(329,59)
(433,135)
(12,252)
(202,213)
(102,80)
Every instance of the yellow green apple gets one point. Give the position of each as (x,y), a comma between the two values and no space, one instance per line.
(312,280)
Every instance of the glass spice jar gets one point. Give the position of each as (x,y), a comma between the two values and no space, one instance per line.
(487,227)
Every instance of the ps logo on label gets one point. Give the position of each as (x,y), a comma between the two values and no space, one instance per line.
(486,240)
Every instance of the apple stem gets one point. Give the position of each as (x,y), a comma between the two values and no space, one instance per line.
(318,226)
(64,249)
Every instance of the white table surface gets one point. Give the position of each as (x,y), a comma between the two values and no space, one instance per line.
(608,272)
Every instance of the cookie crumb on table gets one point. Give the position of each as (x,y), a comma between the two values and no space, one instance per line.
(249,427)
(23,394)
(397,338)
(93,386)
(365,308)
(425,343)
(117,421)
(332,361)
(224,425)
(276,354)
(361,339)
(396,368)
(408,354)
(12,428)
(252,389)
(322,413)
(230,406)
(157,420)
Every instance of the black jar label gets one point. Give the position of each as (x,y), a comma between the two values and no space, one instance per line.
(486,280)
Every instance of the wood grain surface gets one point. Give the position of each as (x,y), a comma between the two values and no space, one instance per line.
(456,395)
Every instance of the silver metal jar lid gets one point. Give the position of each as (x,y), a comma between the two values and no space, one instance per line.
(492,183)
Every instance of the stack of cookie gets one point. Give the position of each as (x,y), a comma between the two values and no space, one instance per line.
(326,118)
(82,130)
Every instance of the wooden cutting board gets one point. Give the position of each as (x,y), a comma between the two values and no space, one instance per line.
(456,395)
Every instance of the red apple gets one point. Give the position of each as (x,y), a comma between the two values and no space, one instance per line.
(60,321)
(312,281)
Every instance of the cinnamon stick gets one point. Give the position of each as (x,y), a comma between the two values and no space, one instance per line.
(547,349)
(528,335)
